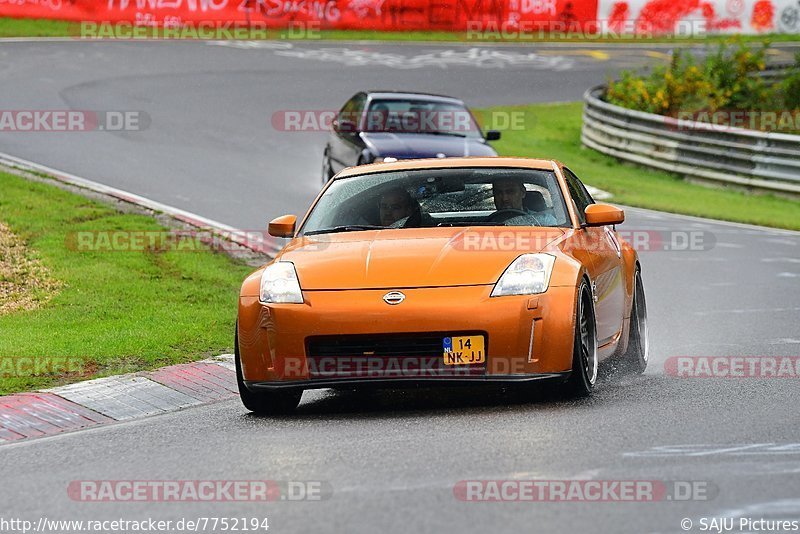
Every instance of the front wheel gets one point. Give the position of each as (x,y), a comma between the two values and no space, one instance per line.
(264,402)
(638,352)
(584,352)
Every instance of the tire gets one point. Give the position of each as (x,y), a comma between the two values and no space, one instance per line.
(266,402)
(584,352)
(637,354)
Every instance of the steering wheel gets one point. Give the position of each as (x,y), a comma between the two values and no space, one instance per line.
(501,216)
(400,223)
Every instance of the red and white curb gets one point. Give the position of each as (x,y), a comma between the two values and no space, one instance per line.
(117,398)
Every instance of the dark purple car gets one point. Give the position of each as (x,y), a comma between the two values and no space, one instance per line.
(376,125)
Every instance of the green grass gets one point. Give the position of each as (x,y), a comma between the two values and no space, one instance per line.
(553,131)
(116,311)
(34,28)
(11,27)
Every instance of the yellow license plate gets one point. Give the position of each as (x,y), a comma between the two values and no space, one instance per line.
(463,350)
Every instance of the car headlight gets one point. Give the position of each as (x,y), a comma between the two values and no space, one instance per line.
(279,284)
(527,275)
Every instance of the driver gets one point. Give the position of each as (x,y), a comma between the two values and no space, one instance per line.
(509,194)
(395,204)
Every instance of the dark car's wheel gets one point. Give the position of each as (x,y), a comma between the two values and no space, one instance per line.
(635,358)
(584,352)
(266,402)
(327,171)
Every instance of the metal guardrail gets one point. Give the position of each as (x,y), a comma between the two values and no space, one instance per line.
(767,162)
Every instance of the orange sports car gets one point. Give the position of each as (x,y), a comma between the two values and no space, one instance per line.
(441,271)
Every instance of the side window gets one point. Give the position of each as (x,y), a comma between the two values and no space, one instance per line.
(351,111)
(358,103)
(347,107)
(353,108)
(579,193)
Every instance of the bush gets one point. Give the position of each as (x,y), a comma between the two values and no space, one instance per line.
(790,88)
(726,79)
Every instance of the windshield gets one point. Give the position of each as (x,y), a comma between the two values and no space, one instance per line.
(429,198)
(421,117)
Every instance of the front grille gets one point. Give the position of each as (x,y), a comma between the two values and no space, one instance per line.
(385,356)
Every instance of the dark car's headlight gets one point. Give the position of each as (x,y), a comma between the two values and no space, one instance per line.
(279,284)
(527,275)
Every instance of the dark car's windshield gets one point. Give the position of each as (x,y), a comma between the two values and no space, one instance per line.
(439,197)
(420,116)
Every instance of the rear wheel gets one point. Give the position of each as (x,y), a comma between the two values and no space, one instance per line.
(264,402)
(638,352)
(584,352)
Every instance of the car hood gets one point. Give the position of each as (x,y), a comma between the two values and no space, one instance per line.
(428,257)
(415,145)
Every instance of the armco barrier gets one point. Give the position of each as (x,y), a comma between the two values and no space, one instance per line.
(766,162)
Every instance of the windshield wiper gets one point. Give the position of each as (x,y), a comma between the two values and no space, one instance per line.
(346,228)
(439,132)
(466,223)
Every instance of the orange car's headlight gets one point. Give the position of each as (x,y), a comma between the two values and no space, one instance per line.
(279,284)
(527,275)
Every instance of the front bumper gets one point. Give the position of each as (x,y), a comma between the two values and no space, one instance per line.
(527,337)
(389,383)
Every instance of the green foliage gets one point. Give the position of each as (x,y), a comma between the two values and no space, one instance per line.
(727,78)
(790,87)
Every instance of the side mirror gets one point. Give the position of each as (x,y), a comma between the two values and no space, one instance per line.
(492,135)
(603,215)
(283,226)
